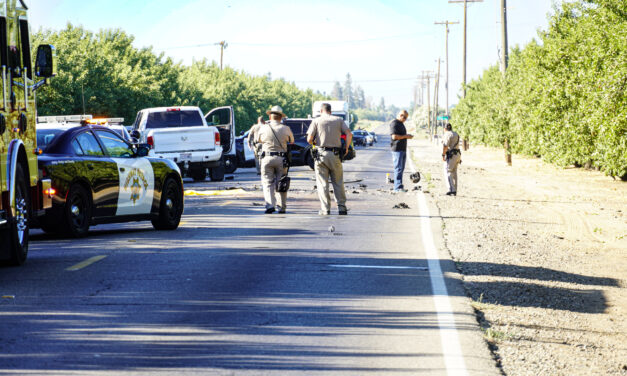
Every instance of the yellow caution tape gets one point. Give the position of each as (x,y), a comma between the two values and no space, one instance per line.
(225,192)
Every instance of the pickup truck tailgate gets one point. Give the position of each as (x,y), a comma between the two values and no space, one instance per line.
(183,139)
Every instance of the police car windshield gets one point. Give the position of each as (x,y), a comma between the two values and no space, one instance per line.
(45,136)
(169,119)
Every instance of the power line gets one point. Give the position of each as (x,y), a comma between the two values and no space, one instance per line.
(302,44)
(355,81)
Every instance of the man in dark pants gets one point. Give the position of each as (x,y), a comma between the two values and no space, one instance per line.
(399,137)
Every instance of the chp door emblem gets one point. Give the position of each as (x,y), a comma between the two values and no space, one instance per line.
(137,183)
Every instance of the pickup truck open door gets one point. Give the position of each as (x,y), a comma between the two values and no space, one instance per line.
(224,119)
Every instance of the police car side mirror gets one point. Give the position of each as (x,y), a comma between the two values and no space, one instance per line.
(46,61)
(135,134)
(142,150)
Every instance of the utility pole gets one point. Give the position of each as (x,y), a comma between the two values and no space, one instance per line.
(465,2)
(425,78)
(504,55)
(222,45)
(465,141)
(504,58)
(429,103)
(446,23)
(435,98)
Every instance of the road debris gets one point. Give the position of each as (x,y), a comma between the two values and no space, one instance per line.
(223,192)
(402,205)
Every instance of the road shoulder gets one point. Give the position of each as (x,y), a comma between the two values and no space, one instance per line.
(541,254)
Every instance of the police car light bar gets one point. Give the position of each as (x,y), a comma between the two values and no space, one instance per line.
(105,121)
(63,118)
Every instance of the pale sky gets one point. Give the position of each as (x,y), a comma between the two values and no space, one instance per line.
(384,44)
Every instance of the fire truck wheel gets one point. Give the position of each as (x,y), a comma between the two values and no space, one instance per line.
(17,233)
(77,212)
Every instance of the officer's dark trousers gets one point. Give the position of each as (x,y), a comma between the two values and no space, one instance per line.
(399,166)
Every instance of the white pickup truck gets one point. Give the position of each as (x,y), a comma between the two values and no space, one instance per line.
(182,135)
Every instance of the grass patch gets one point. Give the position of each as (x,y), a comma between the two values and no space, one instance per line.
(480,305)
(495,336)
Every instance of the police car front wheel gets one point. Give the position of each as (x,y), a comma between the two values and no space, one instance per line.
(77,212)
(170,208)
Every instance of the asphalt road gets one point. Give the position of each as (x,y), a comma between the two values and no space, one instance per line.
(237,292)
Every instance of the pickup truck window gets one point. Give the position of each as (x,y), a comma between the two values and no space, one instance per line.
(137,120)
(172,119)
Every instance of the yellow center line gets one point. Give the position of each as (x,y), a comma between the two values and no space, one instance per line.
(85,263)
(226,203)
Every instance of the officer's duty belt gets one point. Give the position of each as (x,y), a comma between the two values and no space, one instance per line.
(335,150)
(273,154)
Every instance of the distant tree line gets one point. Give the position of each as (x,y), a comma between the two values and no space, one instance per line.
(104,75)
(563,98)
(361,106)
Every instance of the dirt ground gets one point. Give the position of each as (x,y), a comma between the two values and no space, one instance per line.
(543,252)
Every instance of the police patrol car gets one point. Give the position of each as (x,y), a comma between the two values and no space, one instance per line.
(98,177)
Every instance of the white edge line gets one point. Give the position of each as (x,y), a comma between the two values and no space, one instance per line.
(451,348)
(381,267)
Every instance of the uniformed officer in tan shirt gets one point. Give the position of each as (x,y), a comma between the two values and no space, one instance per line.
(252,144)
(326,132)
(274,139)
(452,156)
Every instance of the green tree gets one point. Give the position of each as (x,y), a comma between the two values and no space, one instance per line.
(564,98)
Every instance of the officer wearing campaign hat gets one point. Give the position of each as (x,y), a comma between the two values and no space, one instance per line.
(325,132)
(452,156)
(273,158)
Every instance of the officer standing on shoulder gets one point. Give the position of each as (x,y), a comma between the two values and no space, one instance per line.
(252,144)
(326,131)
(273,158)
(452,156)
(399,136)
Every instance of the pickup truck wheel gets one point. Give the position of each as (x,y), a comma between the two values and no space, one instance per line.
(230,164)
(18,230)
(170,208)
(77,212)
(198,174)
(217,173)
